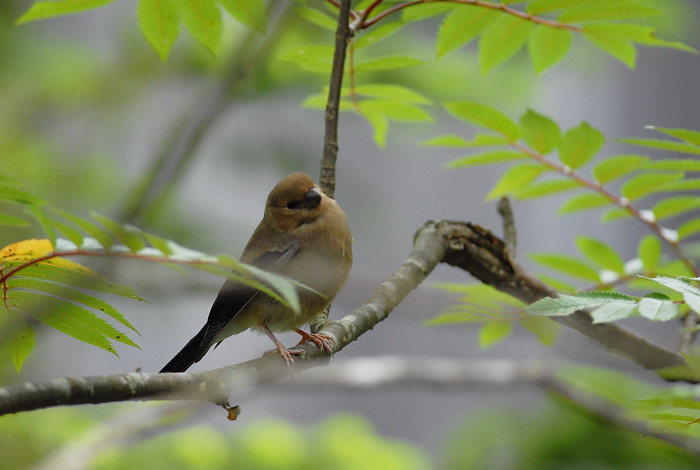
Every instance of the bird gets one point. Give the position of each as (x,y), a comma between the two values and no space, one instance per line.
(303,235)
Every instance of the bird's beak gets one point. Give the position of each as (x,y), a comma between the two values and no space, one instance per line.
(312,198)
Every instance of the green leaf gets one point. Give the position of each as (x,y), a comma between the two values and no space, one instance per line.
(545,188)
(380,125)
(673,206)
(484,116)
(461,26)
(689,228)
(102,237)
(249,12)
(203,21)
(131,240)
(687,164)
(72,234)
(621,49)
(391,92)
(14,221)
(502,40)
(540,132)
(41,10)
(479,140)
(567,265)
(311,57)
(683,184)
(600,253)
(611,11)
(395,110)
(422,11)
(635,33)
(516,177)
(614,214)
(580,144)
(547,46)
(538,7)
(683,147)
(544,328)
(611,311)
(692,137)
(649,251)
(582,202)
(691,294)
(18,345)
(67,318)
(58,290)
(452,318)
(160,24)
(44,221)
(658,310)
(10,193)
(494,332)
(85,280)
(388,62)
(488,157)
(314,16)
(562,305)
(376,34)
(617,166)
(648,183)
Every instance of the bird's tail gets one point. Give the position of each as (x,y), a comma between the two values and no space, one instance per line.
(193,351)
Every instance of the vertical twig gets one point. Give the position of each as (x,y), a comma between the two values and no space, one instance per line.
(330,140)
(509,233)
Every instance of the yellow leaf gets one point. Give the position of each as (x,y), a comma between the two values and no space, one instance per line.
(28,250)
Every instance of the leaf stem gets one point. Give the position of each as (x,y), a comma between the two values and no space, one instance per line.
(618,201)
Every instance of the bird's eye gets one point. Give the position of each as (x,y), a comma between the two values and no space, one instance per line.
(293,205)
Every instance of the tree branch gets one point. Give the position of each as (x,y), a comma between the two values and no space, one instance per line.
(343,35)
(460,244)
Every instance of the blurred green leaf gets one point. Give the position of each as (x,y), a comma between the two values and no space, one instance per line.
(484,116)
(658,310)
(494,332)
(314,16)
(672,146)
(617,10)
(691,227)
(487,157)
(580,144)
(673,206)
(617,166)
(203,20)
(548,46)
(567,265)
(248,12)
(160,24)
(648,183)
(502,40)
(121,233)
(649,251)
(582,202)
(539,132)
(692,137)
(461,26)
(545,188)
(600,253)
(41,10)
(516,177)
(619,48)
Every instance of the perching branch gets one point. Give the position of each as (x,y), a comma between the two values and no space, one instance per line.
(459,244)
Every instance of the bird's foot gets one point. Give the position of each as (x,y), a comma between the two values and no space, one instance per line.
(320,340)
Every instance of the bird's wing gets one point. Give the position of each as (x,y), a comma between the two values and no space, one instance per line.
(234,296)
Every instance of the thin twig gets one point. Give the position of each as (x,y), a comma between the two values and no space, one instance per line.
(330,140)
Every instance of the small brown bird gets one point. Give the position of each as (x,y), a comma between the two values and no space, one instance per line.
(304,235)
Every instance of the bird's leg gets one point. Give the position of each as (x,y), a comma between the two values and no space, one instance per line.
(284,352)
(320,340)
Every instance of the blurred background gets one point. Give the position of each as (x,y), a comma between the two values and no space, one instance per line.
(87,109)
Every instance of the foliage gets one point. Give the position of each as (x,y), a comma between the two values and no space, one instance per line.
(39,284)
(340,441)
